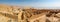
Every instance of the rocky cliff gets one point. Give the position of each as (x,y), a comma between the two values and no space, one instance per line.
(16,14)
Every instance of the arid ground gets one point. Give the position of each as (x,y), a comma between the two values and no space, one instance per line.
(10,13)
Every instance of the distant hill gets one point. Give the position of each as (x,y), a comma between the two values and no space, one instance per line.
(19,13)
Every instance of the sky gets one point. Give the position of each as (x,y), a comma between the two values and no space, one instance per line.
(34,3)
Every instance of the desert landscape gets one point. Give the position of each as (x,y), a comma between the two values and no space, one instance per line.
(10,13)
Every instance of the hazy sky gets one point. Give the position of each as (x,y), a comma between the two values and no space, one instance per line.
(34,3)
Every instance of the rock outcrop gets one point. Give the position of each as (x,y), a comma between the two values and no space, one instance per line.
(16,14)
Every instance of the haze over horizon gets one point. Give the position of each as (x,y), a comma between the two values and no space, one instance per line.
(34,3)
